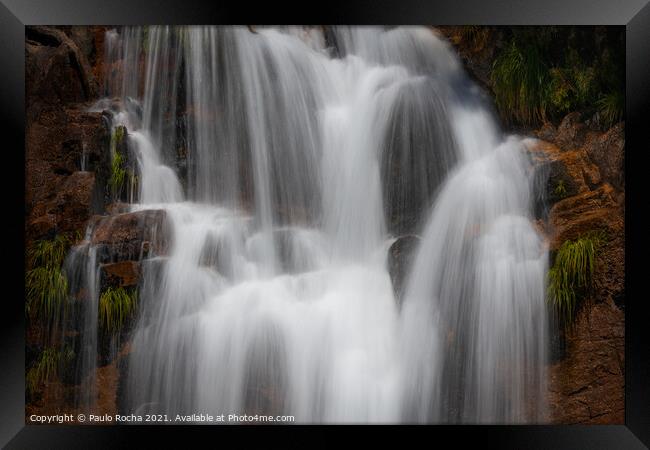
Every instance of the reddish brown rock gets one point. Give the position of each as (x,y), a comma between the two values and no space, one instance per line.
(607,151)
(56,70)
(587,386)
(589,211)
(66,210)
(571,132)
(564,173)
(121,274)
(57,141)
(584,190)
(130,236)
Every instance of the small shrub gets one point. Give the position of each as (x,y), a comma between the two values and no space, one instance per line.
(116,306)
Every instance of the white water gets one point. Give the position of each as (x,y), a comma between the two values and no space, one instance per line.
(275,297)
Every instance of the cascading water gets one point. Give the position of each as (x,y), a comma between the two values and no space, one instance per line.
(308,151)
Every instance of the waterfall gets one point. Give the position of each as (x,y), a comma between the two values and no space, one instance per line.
(288,160)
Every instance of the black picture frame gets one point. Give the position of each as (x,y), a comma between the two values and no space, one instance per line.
(633,14)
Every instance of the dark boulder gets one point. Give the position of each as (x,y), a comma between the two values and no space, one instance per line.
(419,149)
(401,255)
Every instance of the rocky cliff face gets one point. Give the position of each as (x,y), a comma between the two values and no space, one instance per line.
(65,158)
(67,167)
(586,379)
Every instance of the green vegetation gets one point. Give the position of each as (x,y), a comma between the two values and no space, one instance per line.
(118,174)
(118,171)
(573,85)
(542,73)
(116,306)
(611,107)
(521,79)
(572,273)
(560,189)
(145,38)
(46,283)
(49,252)
(46,367)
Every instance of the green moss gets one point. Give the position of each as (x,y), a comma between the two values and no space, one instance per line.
(116,307)
(571,274)
(46,284)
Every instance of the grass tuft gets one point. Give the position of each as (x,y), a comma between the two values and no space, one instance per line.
(46,284)
(49,253)
(611,107)
(46,367)
(116,307)
(118,175)
(521,82)
(572,273)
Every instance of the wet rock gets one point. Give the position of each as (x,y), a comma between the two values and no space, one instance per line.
(124,274)
(587,387)
(68,211)
(560,174)
(400,257)
(419,150)
(62,147)
(117,208)
(56,70)
(293,256)
(477,55)
(130,236)
(589,211)
(151,287)
(607,151)
(547,132)
(571,132)
(217,253)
